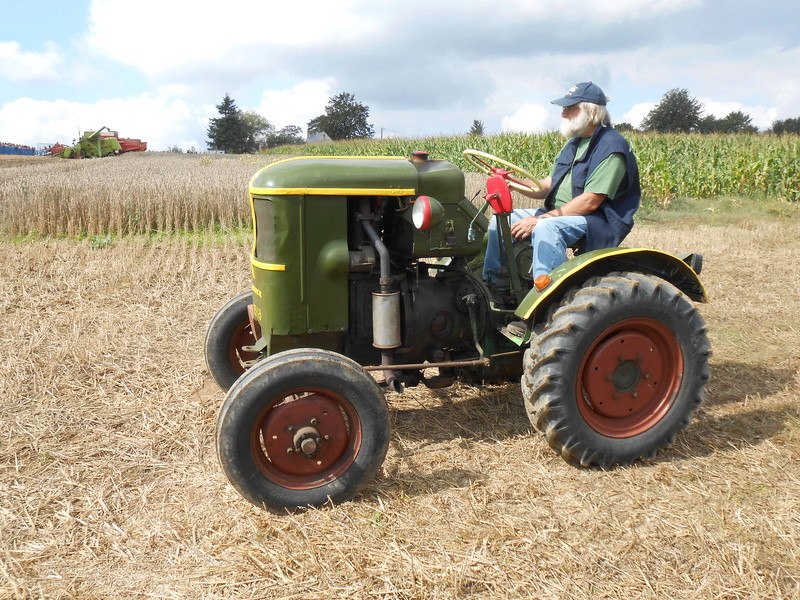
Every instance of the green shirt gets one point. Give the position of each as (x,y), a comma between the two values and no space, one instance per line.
(605,179)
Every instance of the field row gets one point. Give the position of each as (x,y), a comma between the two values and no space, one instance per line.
(165,193)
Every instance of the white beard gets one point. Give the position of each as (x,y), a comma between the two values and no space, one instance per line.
(576,126)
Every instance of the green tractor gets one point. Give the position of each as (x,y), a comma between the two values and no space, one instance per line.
(371,266)
(92,144)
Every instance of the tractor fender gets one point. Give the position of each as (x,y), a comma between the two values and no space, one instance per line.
(679,271)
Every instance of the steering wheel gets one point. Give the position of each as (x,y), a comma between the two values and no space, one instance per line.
(479,160)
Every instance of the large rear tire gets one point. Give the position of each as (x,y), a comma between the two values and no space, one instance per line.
(228,332)
(618,370)
(302,428)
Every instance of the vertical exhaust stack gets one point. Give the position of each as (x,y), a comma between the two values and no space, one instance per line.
(386,320)
(386,334)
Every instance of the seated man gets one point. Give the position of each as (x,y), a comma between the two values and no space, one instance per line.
(590,195)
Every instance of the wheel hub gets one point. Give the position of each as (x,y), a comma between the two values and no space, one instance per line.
(307,441)
(629,377)
(626,376)
(304,435)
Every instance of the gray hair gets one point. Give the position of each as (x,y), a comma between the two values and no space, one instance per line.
(598,115)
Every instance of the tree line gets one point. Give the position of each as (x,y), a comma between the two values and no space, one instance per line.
(679,112)
(240,132)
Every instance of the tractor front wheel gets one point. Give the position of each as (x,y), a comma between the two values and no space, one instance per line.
(228,332)
(618,370)
(302,428)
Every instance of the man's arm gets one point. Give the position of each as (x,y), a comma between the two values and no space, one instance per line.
(581,205)
(541,194)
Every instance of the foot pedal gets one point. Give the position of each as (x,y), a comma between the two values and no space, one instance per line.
(517,332)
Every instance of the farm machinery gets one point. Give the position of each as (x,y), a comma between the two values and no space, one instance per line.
(366,277)
(103,142)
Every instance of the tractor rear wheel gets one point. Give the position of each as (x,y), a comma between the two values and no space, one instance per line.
(302,428)
(228,332)
(618,370)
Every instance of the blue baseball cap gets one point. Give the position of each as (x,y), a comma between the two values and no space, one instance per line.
(582,92)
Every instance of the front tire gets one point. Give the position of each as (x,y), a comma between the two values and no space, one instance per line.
(302,428)
(618,370)
(228,332)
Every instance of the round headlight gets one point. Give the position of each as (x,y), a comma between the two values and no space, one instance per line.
(426,213)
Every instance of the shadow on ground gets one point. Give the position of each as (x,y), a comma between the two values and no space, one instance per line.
(497,414)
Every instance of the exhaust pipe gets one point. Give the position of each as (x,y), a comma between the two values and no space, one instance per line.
(386,333)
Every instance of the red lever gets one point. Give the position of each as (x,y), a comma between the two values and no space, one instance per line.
(497,193)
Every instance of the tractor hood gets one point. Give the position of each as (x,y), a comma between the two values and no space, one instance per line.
(355,176)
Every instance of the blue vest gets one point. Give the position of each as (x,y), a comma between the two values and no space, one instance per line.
(613,220)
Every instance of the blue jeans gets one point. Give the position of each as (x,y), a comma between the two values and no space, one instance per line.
(550,239)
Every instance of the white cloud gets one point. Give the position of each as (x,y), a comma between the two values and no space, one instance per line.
(158,121)
(18,65)
(628,9)
(165,37)
(636,115)
(295,106)
(618,10)
(762,117)
(530,118)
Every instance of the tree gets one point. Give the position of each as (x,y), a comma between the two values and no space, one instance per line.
(783,126)
(258,130)
(344,119)
(477,128)
(677,112)
(291,134)
(624,126)
(738,122)
(734,122)
(229,131)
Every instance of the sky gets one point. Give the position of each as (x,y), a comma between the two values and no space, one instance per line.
(156,69)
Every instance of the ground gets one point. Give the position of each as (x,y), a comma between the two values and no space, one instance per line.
(110,487)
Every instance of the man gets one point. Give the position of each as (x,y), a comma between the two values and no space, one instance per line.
(589,197)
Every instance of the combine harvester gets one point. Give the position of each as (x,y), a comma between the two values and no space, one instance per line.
(103,142)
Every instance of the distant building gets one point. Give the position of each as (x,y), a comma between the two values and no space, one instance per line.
(318,137)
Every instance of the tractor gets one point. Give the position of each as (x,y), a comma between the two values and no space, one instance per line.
(366,278)
(100,143)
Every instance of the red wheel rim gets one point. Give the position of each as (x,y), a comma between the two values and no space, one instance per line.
(242,336)
(629,377)
(306,438)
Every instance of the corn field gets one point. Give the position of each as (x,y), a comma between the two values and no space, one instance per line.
(698,166)
(165,193)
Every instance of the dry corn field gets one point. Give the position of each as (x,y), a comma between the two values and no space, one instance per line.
(110,487)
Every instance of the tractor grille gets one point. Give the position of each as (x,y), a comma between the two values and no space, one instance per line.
(264,210)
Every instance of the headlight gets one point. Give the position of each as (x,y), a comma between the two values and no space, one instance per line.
(427,212)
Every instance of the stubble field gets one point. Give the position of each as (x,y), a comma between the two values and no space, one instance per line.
(110,488)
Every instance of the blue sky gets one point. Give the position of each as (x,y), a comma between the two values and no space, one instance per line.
(155,69)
